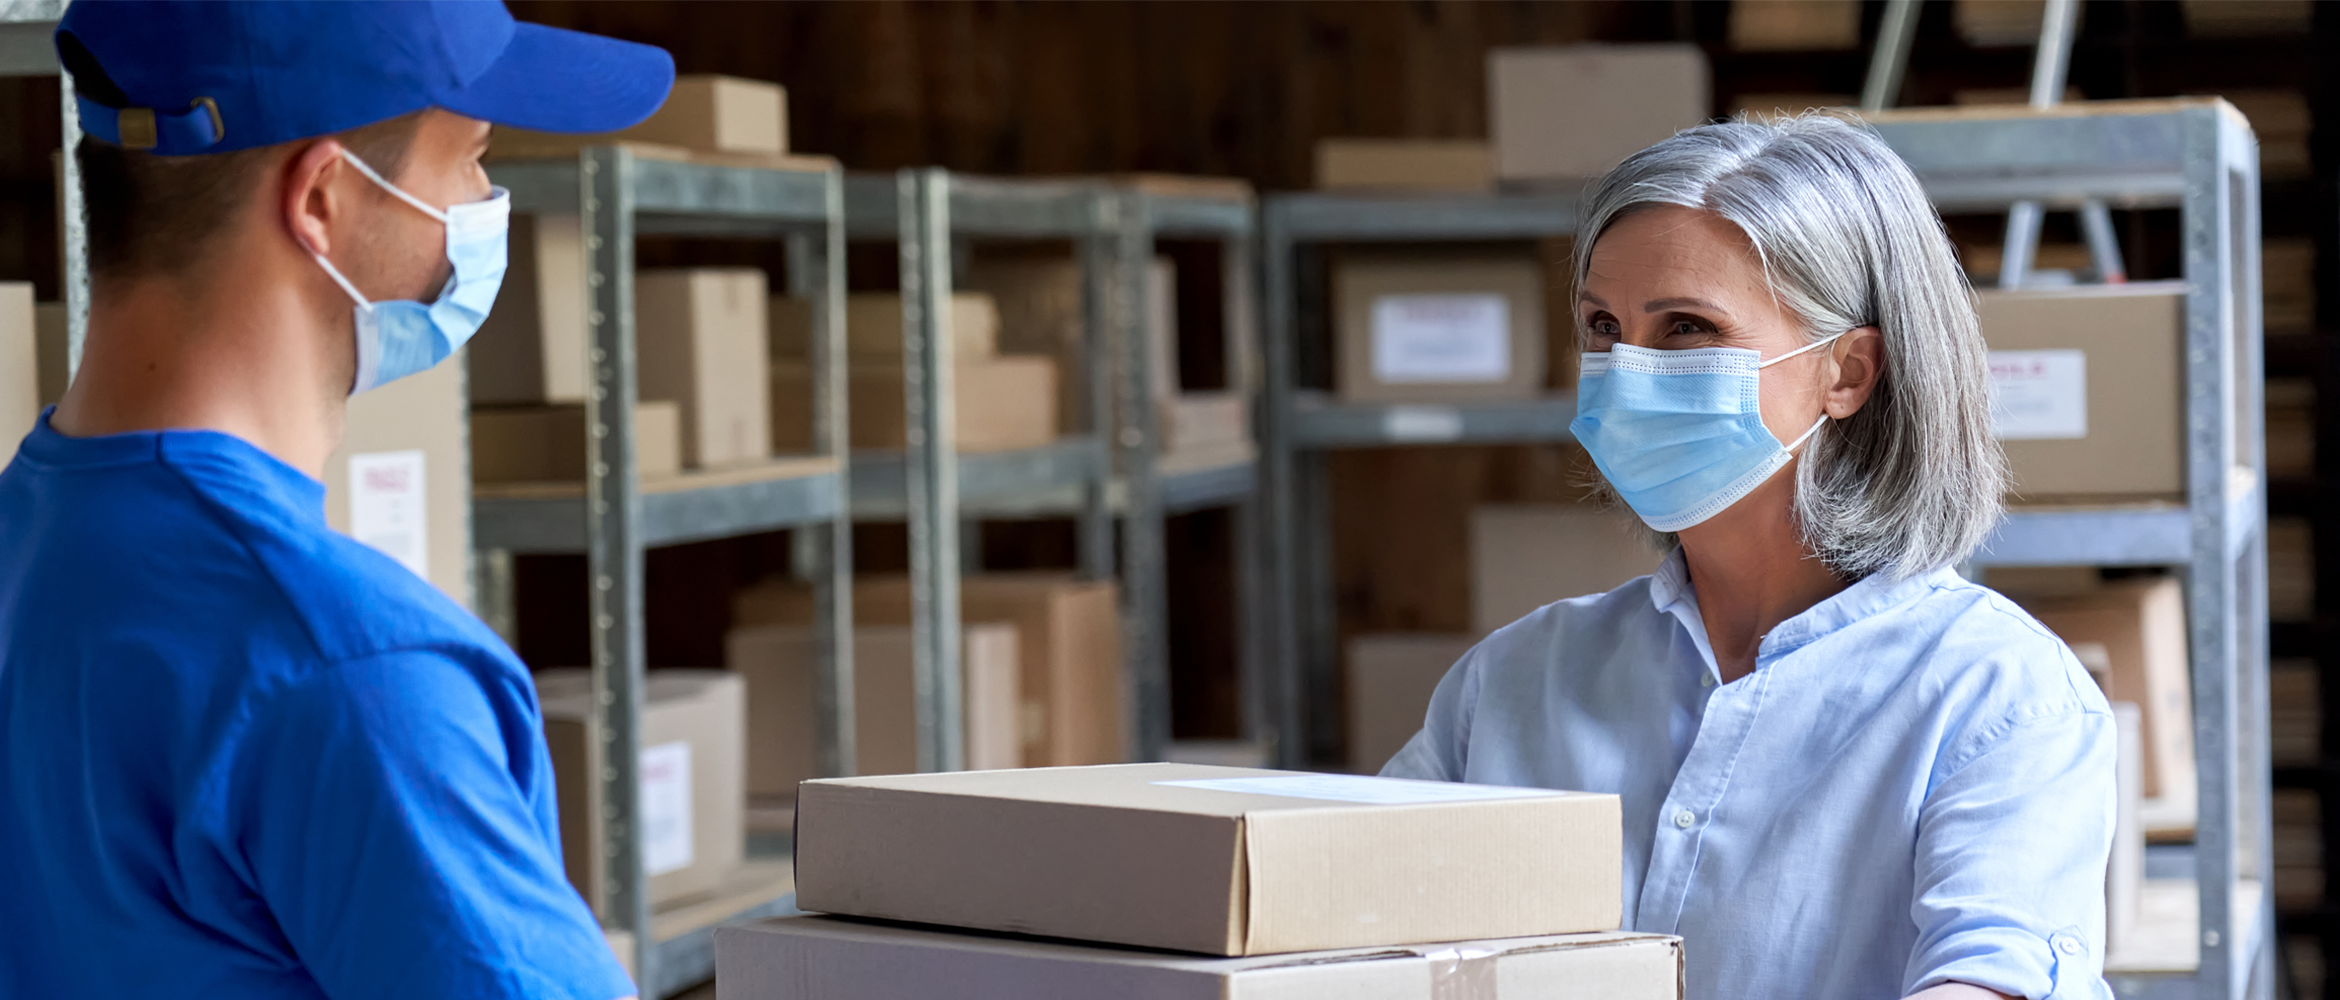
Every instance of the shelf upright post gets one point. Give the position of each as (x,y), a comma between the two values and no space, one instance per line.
(932,464)
(824,553)
(76,226)
(1277,488)
(1254,616)
(613,553)
(2251,622)
(1136,442)
(1098,252)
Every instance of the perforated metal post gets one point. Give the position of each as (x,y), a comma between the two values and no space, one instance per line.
(933,473)
(613,554)
(75,219)
(1097,250)
(1145,617)
(824,552)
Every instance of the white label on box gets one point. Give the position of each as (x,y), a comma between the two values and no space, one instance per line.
(387,507)
(1441,338)
(1360,788)
(1422,423)
(2039,395)
(666,807)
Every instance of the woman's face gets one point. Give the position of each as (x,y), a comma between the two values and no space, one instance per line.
(1670,278)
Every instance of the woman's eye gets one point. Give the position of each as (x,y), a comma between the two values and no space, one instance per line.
(1685,328)
(1604,327)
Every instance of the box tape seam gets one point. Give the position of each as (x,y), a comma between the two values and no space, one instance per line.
(1461,973)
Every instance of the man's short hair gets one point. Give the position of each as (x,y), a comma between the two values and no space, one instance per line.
(155,216)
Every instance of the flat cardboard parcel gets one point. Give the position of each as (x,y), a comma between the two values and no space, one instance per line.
(830,958)
(1216,860)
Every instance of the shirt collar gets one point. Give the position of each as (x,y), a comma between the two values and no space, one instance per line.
(1670,593)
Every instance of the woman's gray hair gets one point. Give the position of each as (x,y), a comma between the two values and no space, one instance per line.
(1847,238)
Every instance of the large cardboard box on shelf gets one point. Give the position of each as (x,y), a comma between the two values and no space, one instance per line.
(999,403)
(1795,25)
(401,480)
(2090,388)
(1391,676)
(781,663)
(1525,556)
(873,326)
(1439,329)
(1455,166)
(1217,860)
(546,444)
(1039,304)
(2141,622)
(531,348)
(693,789)
(704,113)
(832,958)
(1193,420)
(20,366)
(1068,637)
(1575,111)
(699,340)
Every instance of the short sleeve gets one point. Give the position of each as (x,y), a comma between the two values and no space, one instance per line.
(2010,862)
(1438,752)
(393,813)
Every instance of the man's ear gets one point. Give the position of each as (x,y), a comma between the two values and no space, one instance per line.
(309,202)
(1859,360)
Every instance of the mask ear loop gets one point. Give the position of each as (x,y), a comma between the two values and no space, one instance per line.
(420,205)
(1823,421)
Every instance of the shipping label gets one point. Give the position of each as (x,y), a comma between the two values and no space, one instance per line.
(666,807)
(1441,338)
(388,509)
(2039,395)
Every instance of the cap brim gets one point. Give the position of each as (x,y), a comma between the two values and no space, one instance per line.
(554,80)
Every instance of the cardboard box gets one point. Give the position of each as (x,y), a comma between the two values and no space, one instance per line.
(1795,25)
(1217,860)
(1391,676)
(401,480)
(998,403)
(832,958)
(1039,303)
(1528,555)
(2248,18)
(1068,635)
(1203,419)
(20,366)
(704,113)
(50,335)
(2090,388)
(1575,111)
(873,326)
(531,349)
(1463,166)
(2124,876)
(1439,329)
(693,784)
(546,444)
(780,664)
(2142,624)
(699,340)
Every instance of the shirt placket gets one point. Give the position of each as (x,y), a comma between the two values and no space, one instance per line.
(1689,809)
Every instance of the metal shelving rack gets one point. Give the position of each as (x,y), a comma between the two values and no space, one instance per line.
(614,516)
(26,50)
(933,215)
(2197,156)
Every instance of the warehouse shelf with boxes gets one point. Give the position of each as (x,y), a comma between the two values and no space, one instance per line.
(613,410)
(2148,460)
(1101,433)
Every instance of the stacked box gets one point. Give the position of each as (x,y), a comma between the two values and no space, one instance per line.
(401,479)
(1068,639)
(704,113)
(1573,112)
(1439,330)
(1795,25)
(531,348)
(544,444)
(690,807)
(699,337)
(1454,166)
(20,366)
(780,664)
(1000,402)
(2089,388)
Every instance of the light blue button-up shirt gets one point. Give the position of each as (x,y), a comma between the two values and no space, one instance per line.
(1914,786)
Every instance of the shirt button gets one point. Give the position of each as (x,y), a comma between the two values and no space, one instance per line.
(1684,818)
(1706,680)
(2068,946)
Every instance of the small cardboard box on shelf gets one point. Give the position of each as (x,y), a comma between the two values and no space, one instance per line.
(2089,388)
(1448,166)
(1439,329)
(699,341)
(546,444)
(401,479)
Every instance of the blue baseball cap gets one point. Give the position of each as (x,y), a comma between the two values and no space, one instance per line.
(178,77)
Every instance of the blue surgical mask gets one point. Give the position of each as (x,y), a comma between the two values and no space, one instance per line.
(399,337)
(1679,434)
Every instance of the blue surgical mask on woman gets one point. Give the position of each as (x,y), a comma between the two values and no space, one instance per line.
(1680,434)
(399,337)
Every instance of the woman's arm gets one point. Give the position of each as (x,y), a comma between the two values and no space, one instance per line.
(1958,991)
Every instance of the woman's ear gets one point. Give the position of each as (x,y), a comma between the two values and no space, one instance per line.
(309,204)
(1858,358)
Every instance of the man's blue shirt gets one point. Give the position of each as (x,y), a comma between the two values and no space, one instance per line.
(242,755)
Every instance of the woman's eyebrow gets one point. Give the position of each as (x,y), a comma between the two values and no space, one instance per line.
(1661,305)
(1591,299)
